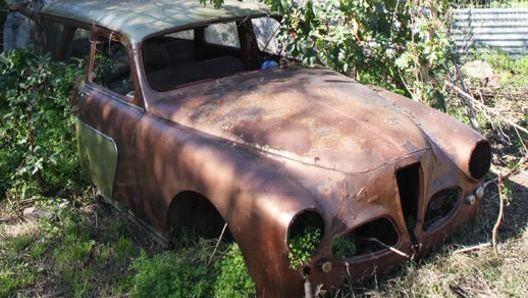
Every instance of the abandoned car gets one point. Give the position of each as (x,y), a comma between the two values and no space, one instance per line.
(186,118)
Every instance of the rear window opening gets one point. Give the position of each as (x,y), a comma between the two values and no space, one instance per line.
(370,238)
(64,41)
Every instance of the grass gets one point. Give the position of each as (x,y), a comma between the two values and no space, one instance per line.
(476,273)
(63,254)
(512,71)
(75,253)
(92,250)
(15,272)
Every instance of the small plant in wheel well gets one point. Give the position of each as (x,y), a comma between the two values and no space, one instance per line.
(302,245)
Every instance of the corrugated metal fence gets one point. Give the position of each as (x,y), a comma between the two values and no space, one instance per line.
(502,28)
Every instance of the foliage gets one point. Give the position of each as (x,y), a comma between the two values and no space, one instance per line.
(37,143)
(71,255)
(483,3)
(302,245)
(399,45)
(233,280)
(70,249)
(172,275)
(74,254)
(343,247)
(186,272)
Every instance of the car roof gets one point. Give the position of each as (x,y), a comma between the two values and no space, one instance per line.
(138,19)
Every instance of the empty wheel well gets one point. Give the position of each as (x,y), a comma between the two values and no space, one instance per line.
(192,212)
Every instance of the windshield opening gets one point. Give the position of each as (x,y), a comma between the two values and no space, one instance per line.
(207,52)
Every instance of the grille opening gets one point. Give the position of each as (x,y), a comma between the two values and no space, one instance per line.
(409,188)
(366,239)
(441,205)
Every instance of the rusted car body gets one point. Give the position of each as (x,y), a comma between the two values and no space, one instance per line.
(191,133)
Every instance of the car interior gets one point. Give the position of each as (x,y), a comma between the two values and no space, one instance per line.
(202,53)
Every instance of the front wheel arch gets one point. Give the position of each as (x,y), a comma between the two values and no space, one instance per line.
(192,212)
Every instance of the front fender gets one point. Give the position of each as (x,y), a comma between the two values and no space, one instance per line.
(469,150)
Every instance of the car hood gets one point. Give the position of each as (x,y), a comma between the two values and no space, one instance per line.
(314,116)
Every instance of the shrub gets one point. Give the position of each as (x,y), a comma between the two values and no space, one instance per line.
(37,139)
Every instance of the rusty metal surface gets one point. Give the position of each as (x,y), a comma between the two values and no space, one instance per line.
(282,142)
(310,115)
(290,140)
(264,146)
(138,19)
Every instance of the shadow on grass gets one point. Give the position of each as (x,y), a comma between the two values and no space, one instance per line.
(513,222)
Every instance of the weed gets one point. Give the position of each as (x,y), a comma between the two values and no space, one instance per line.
(20,243)
(15,272)
(39,248)
(18,276)
(343,247)
(80,281)
(72,256)
(302,246)
(233,281)
(170,274)
(186,272)
(122,250)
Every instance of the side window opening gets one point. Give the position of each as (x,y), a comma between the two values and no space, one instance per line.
(80,45)
(266,31)
(111,67)
(65,41)
(52,32)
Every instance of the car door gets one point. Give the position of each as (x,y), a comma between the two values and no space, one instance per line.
(108,109)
